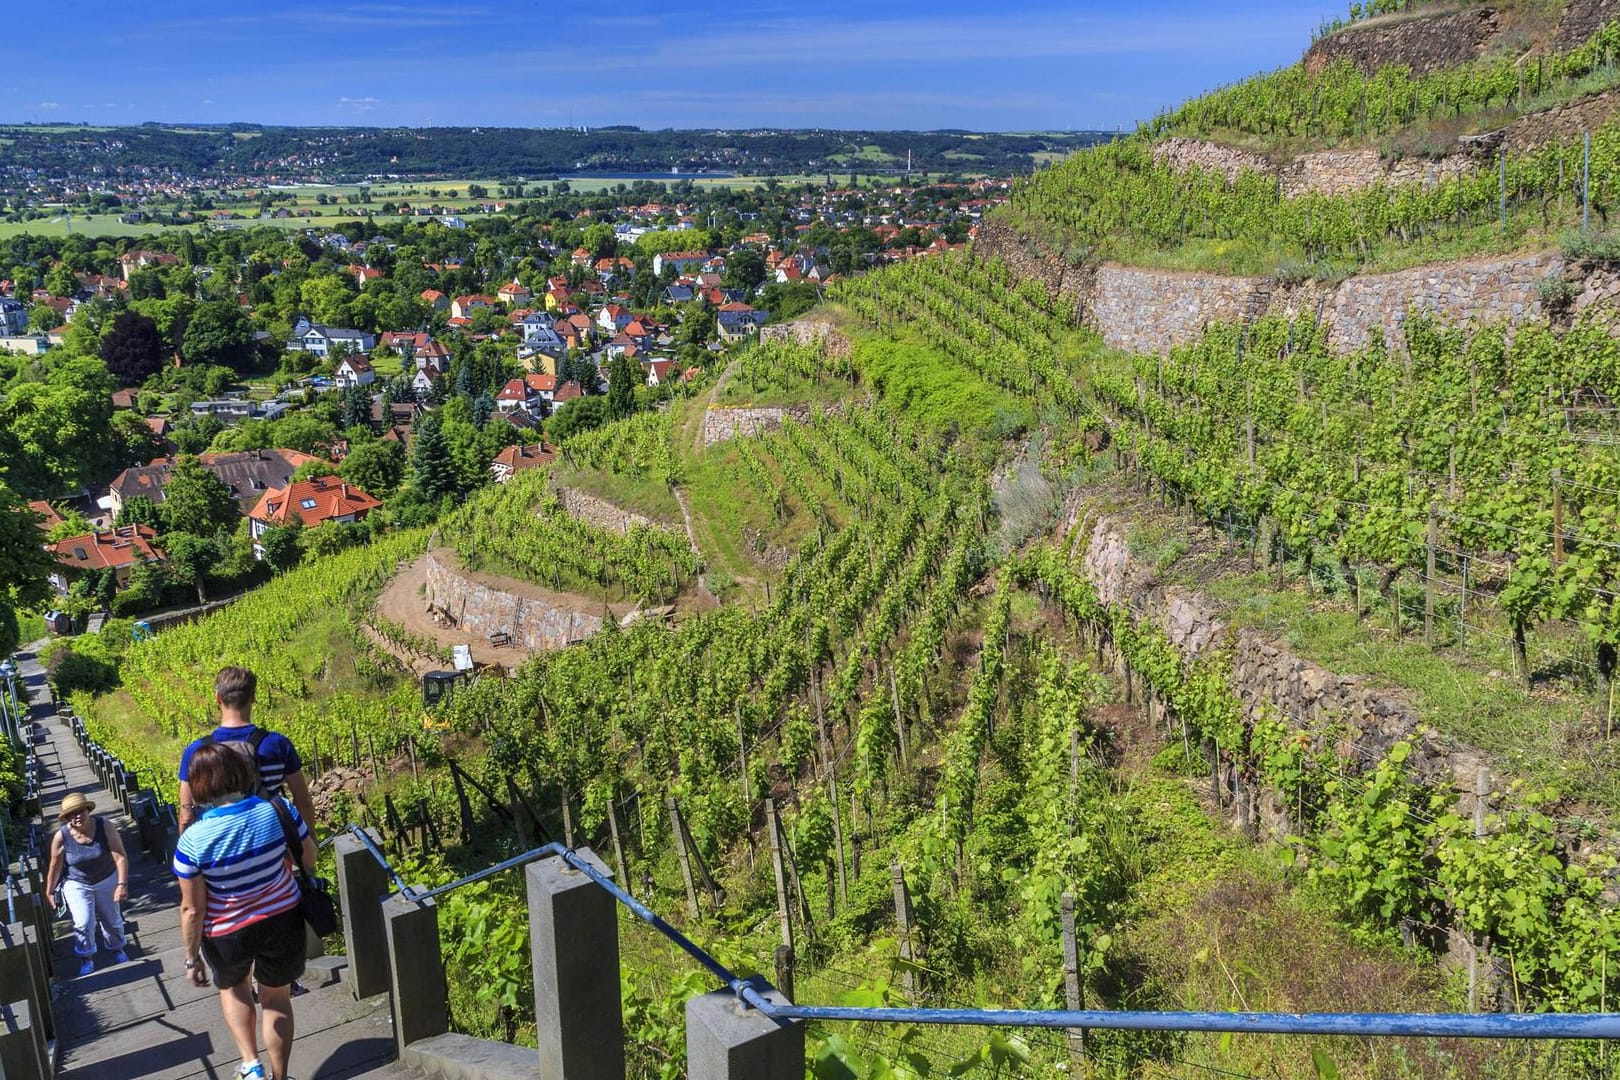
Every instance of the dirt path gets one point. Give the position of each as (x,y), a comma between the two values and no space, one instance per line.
(402,601)
(708,598)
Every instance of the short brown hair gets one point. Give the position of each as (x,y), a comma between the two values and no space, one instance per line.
(236,687)
(217,772)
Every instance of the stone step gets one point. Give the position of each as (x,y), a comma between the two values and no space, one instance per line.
(336,1036)
(148,987)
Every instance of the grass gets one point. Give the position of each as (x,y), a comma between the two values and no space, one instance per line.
(783,390)
(31,627)
(648,497)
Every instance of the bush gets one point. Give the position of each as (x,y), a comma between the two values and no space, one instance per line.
(1593,247)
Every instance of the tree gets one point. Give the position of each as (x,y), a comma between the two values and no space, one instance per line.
(581,414)
(43,317)
(140,510)
(133,348)
(433,472)
(483,409)
(283,545)
(355,408)
(375,466)
(196,501)
(56,436)
(25,565)
(134,441)
(73,523)
(219,333)
(745,269)
(191,560)
(624,375)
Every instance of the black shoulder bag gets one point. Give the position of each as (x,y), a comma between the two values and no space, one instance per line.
(313,899)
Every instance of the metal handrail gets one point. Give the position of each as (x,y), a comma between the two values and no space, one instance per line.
(1442,1025)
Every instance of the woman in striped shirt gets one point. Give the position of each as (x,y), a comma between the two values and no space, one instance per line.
(239,903)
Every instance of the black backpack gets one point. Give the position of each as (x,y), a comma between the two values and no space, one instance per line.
(249,748)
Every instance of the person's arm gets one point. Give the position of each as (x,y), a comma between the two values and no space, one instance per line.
(193,903)
(298,788)
(115,847)
(310,854)
(188,811)
(58,865)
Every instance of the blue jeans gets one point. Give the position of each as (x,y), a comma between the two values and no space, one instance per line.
(90,904)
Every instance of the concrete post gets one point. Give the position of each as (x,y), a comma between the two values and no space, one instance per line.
(22,978)
(421,1000)
(574,941)
(36,910)
(725,1041)
(362,884)
(19,1047)
(22,972)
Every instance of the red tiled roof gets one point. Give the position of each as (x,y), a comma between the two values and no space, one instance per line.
(124,546)
(312,502)
(515,458)
(51,519)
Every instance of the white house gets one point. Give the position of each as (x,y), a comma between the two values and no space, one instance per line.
(354,371)
(323,341)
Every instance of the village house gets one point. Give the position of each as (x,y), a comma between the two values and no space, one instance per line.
(324,341)
(247,473)
(462,307)
(514,293)
(354,371)
(311,503)
(514,459)
(120,550)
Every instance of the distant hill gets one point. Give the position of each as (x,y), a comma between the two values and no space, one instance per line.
(243,150)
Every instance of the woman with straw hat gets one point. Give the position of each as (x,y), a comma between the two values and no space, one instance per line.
(88,861)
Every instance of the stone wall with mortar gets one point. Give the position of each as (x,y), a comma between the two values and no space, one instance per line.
(481,609)
(1150,310)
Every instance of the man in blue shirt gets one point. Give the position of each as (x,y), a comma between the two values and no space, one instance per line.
(280,768)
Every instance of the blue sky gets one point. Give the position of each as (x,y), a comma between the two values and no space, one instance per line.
(900,64)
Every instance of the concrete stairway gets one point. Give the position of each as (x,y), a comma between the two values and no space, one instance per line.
(145,1019)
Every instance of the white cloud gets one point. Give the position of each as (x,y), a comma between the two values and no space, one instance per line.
(207,101)
(361,103)
(45,105)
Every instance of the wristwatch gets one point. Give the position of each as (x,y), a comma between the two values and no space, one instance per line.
(192,965)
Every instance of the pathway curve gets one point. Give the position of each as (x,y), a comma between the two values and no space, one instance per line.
(145,1018)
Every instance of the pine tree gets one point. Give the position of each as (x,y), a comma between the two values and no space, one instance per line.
(433,471)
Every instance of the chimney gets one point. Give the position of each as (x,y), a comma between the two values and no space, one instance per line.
(345,491)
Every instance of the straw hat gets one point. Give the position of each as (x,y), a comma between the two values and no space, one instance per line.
(72,805)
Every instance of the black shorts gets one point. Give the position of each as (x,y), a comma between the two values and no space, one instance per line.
(271,949)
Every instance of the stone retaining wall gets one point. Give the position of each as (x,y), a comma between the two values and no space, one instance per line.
(482,609)
(1423,43)
(1471,292)
(1264,673)
(722,423)
(1151,310)
(600,512)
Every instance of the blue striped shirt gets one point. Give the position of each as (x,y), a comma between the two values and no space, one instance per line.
(240,850)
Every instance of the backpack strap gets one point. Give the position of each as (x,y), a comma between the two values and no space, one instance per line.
(256,740)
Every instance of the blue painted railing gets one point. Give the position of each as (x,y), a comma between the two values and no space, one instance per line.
(1444,1025)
